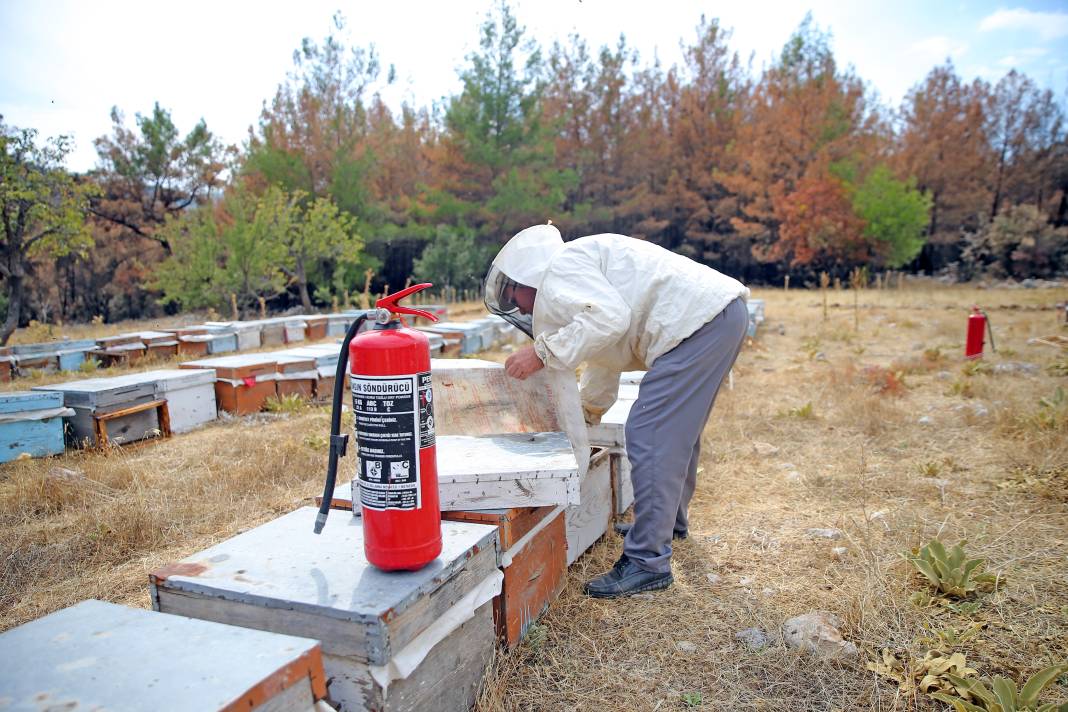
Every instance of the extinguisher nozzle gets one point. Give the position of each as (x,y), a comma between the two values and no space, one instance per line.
(320,522)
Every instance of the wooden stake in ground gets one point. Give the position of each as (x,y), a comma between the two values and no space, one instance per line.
(825,280)
(263,308)
(857,278)
(233,307)
(365,298)
(786,283)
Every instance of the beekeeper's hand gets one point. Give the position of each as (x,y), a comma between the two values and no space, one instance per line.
(591,415)
(523,363)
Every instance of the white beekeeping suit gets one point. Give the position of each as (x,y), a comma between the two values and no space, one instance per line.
(611,301)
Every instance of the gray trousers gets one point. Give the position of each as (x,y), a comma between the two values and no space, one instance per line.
(664,432)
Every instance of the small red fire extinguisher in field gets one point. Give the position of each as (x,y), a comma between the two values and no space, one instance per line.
(978,322)
(392,401)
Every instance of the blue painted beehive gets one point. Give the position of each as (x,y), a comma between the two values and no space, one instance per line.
(31,423)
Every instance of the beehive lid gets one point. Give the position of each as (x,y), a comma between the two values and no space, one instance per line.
(175,379)
(98,655)
(283,564)
(463,458)
(99,392)
(236,367)
(29,400)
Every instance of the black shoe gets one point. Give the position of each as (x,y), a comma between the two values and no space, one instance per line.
(623,527)
(626,579)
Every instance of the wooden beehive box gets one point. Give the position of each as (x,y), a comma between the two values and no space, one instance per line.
(6,368)
(220,340)
(325,358)
(296,375)
(272,332)
(159,344)
(588,520)
(95,397)
(451,342)
(31,423)
(610,432)
(471,335)
(499,471)
(622,488)
(72,354)
(243,383)
(391,641)
(100,656)
(38,357)
(316,328)
(246,333)
(294,330)
(190,396)
(534,560)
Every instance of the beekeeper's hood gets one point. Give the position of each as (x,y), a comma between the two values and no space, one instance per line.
(524,260)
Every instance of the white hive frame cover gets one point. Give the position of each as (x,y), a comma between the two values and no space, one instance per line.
(98,655)
(475,397)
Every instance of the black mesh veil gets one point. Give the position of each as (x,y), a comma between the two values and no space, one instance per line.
(499,295)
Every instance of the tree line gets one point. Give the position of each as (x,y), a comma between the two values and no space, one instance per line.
(794,169)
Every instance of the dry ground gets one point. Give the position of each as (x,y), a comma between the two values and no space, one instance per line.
(881,431)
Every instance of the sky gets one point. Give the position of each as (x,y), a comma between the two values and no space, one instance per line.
(65,64)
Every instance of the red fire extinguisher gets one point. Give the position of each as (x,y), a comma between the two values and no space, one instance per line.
(392,401)
(978,322)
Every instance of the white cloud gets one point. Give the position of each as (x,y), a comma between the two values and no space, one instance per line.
(1047,25)
(1027,55)
(936,48)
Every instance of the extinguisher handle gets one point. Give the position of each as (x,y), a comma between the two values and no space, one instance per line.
(390,302)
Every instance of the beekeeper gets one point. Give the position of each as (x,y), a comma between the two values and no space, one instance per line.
(618,303)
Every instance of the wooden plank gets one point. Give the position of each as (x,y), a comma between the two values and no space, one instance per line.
(19,402)
(622,489)
(512,523)
(37,438)
(446,681)
(473,397)
(98,655)
(588,521)
(242,399)
(282,568)
(533,578)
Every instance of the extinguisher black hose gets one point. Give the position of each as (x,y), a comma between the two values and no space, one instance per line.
(338,442)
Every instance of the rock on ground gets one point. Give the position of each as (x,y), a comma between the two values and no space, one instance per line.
(753,638)
(818,632)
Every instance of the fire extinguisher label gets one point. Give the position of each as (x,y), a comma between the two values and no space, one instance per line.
(393,417)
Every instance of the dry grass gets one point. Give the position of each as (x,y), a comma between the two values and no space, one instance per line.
(842,407)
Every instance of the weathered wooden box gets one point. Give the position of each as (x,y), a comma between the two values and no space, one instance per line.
(124,349)
(451,342)
(499,472)
(295,330)
(272,332)
(316,328)
(588,520)
(100,656)
(243,382)
(534,560)
(31,423)
(325,357)
(296,375)
(96,397)
(622,488)
(159,344)
(7,369)
(248,333)
(190,396)
(70,353)
(470,334)
(391,641)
